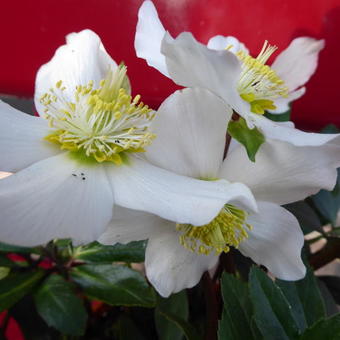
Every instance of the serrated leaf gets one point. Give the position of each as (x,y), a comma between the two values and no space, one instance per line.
(308,219)
(58,305)
(17,285)
(305,298)
(175,304)
(272,312)
(324,329)
(99,253)
(252,139)
(236,318)
(114,284)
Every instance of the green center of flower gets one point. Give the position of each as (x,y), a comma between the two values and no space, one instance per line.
(228,229)
(259,84)
(103,123)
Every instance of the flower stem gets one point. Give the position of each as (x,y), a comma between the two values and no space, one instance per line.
(211,307)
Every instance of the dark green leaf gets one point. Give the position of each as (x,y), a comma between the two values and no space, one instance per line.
(252,139)
(308,219)
(189,331)
(328,202)
(176,304)
(7,248)
(114,284)
(236,319)
(330,304)
(58,305)
(125,329)
(333,285)
(17,285)
(31,324)
(282,117)
(330,128)
(305,298)
(328,329)
(98,253)
(272,312)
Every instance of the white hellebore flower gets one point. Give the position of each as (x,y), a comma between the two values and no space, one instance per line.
(225,67)
(84,154)
(192,143)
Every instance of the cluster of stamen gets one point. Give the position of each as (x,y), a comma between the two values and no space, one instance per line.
(101,123)
(259,84)
(228,229)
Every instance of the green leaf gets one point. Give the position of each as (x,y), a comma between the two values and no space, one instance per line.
(282,117)
(272,312)
(333,285)
(126,329)
(189,331)
(330,128)
(252,139)
(236,318)
(328,329)
(308,219)
(4,271)
(114,284)
(98,253)
(176,304)
(305,298)
(17,285)
(7,248)
(328,202)
(58,305)
(331,307)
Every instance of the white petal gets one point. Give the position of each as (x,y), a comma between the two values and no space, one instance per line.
(291,135)
(149,35)
(55,198)
(170,267)
(21,139)
(282,104)
(81,60)
(142,186)
(131,225)
(192,64)
(296,64)
(190,127)
(275,242)
(220,43)
(284,173)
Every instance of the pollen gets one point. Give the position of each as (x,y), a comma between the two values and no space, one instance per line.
(102,123)
(259,84)
(227,230)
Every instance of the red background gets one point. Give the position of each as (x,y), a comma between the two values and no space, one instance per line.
(32,30)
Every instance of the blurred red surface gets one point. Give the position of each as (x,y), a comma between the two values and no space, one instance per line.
(32,30)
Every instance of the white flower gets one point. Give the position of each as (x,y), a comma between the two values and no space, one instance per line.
(84,154)
(192,143)
(224,67)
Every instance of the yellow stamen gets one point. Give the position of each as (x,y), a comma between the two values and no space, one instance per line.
(259,84)
(101,123)
(228,229)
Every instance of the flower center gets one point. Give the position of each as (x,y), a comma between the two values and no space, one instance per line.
(228,229)
(259,84)
(103,123)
